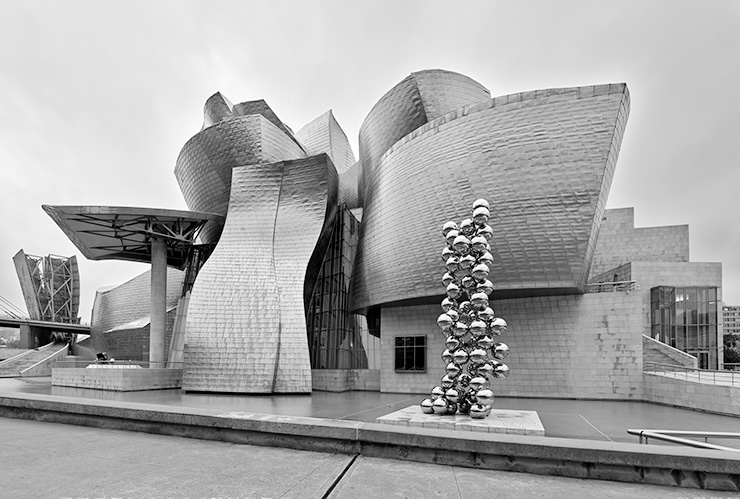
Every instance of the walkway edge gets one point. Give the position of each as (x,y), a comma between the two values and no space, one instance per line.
(624,462)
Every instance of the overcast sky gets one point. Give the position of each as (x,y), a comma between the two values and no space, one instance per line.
(98,97)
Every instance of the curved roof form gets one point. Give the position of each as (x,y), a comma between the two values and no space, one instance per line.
(419,98)
(247,133)
(543,159)
(324,134)
(124,233)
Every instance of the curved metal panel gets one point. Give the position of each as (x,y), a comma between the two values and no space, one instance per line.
(324,134)
(203,168)
(543,159)
(417,99)
(246,328)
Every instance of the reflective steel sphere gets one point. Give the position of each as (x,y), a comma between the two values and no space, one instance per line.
(453,290)
(452,370)
(481,215)
(485,287)
(452,343)
(447,382)
(485,370)
(447,278)
(459,329)
(447,253)
(451,408)
(447,227)
(477,327)
(467,262)
(486,314)
(498,326)
(501,351)
(453,263)
(447,304)
(447,356)
(453,315)
(480,271)
(439,405)
(484,397)
(467,227)
(477,411)
(486,231)
(460,357)
(452,395)
(480,202)
(444,322)
(478,356)
(450,237)
(485,342)
(461,244)
(437,392)
(478,243)
(477,383)
(464,380)
(479,301)
(501,371)
(486,258)
(426,406)
(468,282)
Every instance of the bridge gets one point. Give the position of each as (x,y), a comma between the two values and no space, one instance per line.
(30,329)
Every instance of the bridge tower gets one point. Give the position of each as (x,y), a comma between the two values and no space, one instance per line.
(50,285)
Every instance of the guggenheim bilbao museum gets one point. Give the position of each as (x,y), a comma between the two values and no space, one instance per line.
(300,268)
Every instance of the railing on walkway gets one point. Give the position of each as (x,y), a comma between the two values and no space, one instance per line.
(731,366)
(726,378)
(612,286)
(682,437)
(123,364)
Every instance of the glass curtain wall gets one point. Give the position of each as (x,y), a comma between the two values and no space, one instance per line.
(334,334)
(686,318)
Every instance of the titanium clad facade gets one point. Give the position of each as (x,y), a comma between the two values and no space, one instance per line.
(544,160)
(417,99)
(325,135)
(203,168)
(246,326)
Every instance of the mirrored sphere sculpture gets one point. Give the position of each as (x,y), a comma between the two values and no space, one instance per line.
(472,358)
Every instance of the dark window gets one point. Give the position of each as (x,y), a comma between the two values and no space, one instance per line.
(411,353)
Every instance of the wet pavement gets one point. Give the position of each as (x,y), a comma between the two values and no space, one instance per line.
(579,419)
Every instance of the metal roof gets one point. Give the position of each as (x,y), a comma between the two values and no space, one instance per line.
(125,233)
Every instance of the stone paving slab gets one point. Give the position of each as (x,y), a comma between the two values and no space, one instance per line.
(499,421)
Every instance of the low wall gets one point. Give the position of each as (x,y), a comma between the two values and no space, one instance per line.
(677,392)
(344,380)
(658,352)
(118,378)
(626,462)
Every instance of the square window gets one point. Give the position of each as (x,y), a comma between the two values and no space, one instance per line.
(411,353)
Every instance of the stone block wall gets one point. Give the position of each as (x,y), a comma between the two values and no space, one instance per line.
(573,346)
(620,242)
(677,392)
(121,379)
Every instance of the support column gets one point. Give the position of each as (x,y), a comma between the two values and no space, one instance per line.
(158,314)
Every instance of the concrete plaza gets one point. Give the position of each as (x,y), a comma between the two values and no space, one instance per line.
(92,458)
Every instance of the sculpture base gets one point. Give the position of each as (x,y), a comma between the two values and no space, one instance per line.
(499,421)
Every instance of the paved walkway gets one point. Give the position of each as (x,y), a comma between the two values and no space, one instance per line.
(46,460)
(581,419)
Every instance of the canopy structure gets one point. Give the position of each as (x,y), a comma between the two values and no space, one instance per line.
(125,233)
(162,237)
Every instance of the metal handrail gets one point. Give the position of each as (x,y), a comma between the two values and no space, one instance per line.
(707,374)
(610,286)
(671,436)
